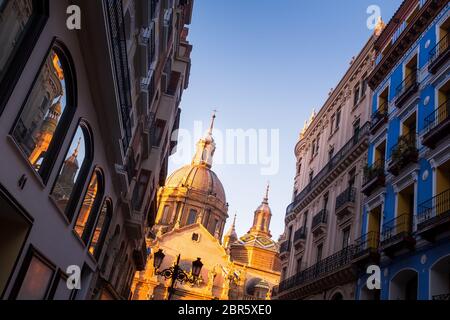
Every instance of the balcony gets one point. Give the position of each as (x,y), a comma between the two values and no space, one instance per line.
(319,223)
(134,225)
(300,239)
(374,177)
(285,249)
(366,249)
(379,118)
(345,203)
(433,217)
(327,273)
(406,89)
(439,55)
(397,235)
(437,125)
(353,149)
(403,153)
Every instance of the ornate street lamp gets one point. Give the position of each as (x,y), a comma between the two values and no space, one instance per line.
(175,273)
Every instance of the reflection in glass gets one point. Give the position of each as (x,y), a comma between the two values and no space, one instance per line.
(36,281)
(69,174)
(100,230)
(86,207)
(35,129)
(14,18)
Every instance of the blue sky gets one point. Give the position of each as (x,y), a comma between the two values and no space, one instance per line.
(266,64)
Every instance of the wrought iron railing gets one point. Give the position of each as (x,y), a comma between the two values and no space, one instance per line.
(345,197)
(442,113)
(434,208)
(321,268)
(407,83)
(405,147)
(374,170)
(441,47)
(331,165)
(378,115)
(399,226)
(366,243)
(300,234)
(120,57)
(320,218)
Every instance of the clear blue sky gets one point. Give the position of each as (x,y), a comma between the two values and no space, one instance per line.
(265,64)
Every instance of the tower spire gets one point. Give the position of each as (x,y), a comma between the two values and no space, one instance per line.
(75,152)
(266,197)
(213,118)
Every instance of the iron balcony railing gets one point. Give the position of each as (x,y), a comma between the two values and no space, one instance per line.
(320,218)
(407,83)
(441,114)
(405,147)
(433,209)
(300,234)
(320,269)
(374,170)
(397,227)
(331,165)
(345,197)
(120,58)
(379,114)
(366,243)
(441,47)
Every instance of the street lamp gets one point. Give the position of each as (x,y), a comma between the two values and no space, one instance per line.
(175,273)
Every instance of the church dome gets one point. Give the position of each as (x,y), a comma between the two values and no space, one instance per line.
(199,178)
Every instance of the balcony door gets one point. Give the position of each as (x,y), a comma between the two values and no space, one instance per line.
(442,200)
(405,209)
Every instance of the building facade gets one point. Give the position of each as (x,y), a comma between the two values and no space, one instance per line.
(323,221)
(192,212)
(86,120)
(407,180)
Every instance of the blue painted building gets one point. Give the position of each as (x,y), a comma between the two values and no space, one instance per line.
(406,212)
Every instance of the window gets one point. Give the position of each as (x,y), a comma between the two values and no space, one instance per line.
(206,218)
(101,229)
(213,227)
(325,201)
(311,176)
(21,23)
(338,119)
(165,215)
(192,217)
(71,178)
(283,273)
(364,85)
(299,265)
(35,278)
(356,95)
(299,167)
(91,202)
(332,121)
(140,188)
(305,219)
(317,144)
(319,252)
(346,237)
(313,148)
(159,130)
(39,131)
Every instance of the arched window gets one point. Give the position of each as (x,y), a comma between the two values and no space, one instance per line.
(89,208)
(101,229)
(47,112)
(72,176)
(192,217)
(21,23)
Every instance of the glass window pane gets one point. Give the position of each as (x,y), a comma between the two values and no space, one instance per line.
(35,129)
(100,230)
(64,186)
(86,208)
(36,281)
(14,20)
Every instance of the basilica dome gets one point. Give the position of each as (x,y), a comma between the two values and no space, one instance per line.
(199,178)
